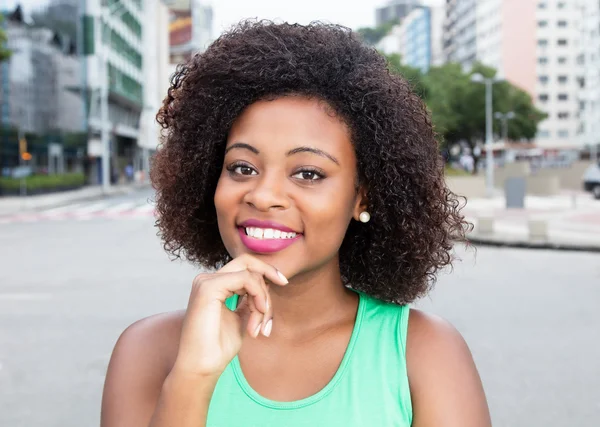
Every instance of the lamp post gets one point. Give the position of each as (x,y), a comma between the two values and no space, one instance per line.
(489,156)
(504,118)
(117,10)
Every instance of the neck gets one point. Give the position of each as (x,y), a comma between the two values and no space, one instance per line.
(312,299)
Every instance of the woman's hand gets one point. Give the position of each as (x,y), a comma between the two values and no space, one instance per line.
(212,334)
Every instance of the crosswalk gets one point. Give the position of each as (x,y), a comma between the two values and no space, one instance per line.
(86,211)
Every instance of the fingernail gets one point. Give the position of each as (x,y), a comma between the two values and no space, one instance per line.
(268,327)
(282,277)
(257,330)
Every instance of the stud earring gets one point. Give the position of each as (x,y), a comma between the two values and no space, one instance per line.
(364,217)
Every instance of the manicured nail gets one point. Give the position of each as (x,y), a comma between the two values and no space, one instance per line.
(282,277)
(257,330)
(268,327)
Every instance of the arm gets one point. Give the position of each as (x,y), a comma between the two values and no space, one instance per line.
(164,369)
(446,390)
(140,389)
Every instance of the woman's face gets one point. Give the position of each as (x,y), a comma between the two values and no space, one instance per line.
(287,189)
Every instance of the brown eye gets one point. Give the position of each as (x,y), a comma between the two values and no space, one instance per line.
(244,170)
(308,175)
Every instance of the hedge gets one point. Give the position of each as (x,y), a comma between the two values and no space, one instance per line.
(43,183)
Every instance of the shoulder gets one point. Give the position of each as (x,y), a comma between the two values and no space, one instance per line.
(141,360)
(445,386)
(155,338)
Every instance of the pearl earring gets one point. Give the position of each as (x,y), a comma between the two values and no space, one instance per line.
(364,217)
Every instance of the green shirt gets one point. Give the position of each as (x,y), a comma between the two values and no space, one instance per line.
(370,387)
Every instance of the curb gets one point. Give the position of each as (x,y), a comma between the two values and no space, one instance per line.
(534,245)
(83,198)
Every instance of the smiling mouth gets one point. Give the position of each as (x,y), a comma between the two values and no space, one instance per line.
(268,233)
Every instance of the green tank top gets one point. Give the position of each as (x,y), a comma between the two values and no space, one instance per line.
(370,387)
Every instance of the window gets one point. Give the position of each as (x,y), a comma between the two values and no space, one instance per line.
(561,4)
(562,24)
(581,82)
(542,24)
(543,97)
(542,5)
(542,60)
(563,133)
(543,79)
(542,43)
(562,79)
(543,134)
(563,97)
(562,42)
(563,115)
(562,59)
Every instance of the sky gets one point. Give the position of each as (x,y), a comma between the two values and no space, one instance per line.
(228,12)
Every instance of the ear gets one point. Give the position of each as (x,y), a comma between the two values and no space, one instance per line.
(361,204)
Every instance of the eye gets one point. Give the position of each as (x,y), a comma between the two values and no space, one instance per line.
(241,169)
(309,175)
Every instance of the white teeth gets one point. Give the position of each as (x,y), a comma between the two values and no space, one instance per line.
(268,233)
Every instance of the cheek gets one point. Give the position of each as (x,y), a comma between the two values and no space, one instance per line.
(330,219)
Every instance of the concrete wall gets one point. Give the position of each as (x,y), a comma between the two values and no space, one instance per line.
(544,182)
(468,186)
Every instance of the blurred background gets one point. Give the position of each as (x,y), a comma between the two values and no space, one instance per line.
(513,87)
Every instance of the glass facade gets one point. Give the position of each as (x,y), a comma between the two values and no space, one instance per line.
(418,40)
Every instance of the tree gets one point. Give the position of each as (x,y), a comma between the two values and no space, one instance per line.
(4,52)
(412,75)
(457,105)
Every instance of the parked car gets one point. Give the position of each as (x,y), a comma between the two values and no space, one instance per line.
(591,180)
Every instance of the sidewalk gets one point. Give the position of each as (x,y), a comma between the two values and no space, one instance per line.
(569,221)
(15,204)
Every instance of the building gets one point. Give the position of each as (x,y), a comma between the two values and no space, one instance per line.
(559,72)
(39,99)
(122,42)
(190,28)
(534,44)
(589,95)
(417,38)
(395,10)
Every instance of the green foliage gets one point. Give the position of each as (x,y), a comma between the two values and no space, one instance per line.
(38,183)
(450,171)
(457,104)
(4,52)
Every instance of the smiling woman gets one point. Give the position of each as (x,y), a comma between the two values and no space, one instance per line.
(303,172)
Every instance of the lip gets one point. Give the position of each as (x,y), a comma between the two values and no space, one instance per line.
(267,224)
(265,246)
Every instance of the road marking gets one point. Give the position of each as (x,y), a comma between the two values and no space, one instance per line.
(89,209)
(145,208)
(119,208)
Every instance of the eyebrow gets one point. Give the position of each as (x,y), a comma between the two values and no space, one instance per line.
(303,149)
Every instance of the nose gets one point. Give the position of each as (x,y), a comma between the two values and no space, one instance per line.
(268,193)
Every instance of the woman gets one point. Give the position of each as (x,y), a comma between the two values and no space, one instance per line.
(309,178)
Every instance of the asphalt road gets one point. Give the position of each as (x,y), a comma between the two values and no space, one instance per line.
(69,287)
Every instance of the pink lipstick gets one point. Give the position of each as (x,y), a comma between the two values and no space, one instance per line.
(266,236)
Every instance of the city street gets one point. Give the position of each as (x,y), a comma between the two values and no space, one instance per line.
(71,280)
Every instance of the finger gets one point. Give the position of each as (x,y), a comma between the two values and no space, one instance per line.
(248,262)
(222,286)
(255,320)
(267,321)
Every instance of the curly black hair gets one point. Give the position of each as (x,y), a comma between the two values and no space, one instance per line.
(415,218)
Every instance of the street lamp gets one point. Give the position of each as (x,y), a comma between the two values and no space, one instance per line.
(489,157)
(116,10)
(504,118)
